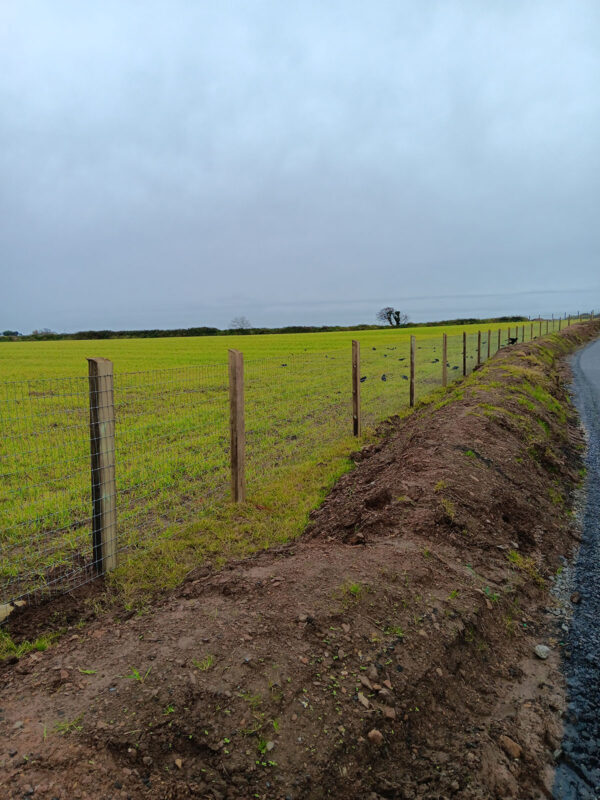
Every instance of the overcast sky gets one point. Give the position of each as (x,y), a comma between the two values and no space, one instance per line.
(167,164)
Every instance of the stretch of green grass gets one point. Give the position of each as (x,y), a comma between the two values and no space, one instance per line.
(172,438)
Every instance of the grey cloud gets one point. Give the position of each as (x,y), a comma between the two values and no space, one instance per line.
(187,161)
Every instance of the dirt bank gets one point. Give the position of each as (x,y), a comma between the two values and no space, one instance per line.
(387,653)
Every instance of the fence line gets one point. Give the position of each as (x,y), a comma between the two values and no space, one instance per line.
(93,468)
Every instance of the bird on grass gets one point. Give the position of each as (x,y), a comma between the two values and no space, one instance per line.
(512,339)
(384,377)
(363,379)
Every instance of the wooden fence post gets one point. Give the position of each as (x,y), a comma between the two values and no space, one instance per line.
(464,354)
(522,333)
(237,426)
(499,338)
(356,421)
(478,348)
(412,371)
(540,326)
(559,323)
(102,452)
(444,359)
(531,332)
(546,327)
(489,344)
(569,322)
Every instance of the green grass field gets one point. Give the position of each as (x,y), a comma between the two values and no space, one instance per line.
(172,439)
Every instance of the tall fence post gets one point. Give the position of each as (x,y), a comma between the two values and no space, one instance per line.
(478,348)
(444,359)
(464,354)
(356,421)
(522,333)
(489,344)
(102,452)
(237,427)
(499,338)
(412,371)
(546,327)
(531,332)
(540,326)
(559,323)
(569,322)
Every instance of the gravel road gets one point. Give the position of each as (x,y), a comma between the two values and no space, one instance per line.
(578,771)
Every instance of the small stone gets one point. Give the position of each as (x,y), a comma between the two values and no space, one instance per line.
(132,753)
(541,651)
(303,660)
(178,763)
(438,672)
(18,725)
(455,786)
(510,747)
(389,713)
(147,760)
(375,737)
(576,598)
(365,682)
(372,673)
(270,746)
(388,684)
(363,700)
(345,627)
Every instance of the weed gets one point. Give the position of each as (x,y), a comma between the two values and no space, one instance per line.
(527,565)
(439,486)
(136,675)
(204,664)
(69,727)
(9,648)
(449,508)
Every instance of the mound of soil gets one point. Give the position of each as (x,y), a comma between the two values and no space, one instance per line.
(388,653)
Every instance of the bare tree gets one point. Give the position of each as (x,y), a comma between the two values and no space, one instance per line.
(392,316)
(240,323)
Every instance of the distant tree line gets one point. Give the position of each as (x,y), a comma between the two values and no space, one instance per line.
(155,333)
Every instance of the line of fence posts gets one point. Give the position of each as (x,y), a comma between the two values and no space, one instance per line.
(102,430)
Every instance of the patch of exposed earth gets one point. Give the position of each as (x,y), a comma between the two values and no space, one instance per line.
(387,653)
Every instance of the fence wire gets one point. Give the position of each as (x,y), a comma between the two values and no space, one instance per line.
(171,445)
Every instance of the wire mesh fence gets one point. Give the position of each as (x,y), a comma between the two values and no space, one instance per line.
(90,472)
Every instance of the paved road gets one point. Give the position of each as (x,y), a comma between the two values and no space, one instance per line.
(578,772)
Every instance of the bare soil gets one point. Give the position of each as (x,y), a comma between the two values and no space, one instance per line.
(387,653)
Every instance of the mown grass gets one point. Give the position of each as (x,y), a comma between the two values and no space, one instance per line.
(172,444)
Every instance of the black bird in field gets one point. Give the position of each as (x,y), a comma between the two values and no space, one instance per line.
(454,367)
(405,377)
(384,377)
(512,339)
(435,361)
(363,379)
(402,359)
(373,348)
(284,365)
